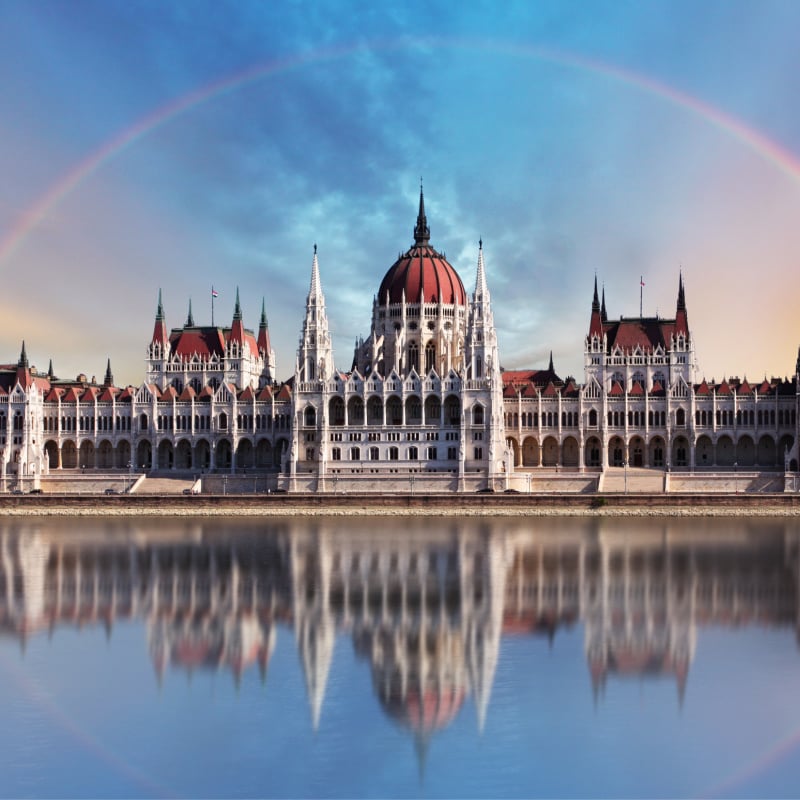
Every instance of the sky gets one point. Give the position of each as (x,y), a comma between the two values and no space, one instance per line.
(176,146)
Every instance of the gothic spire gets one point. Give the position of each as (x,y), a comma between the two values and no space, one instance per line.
(681,317)
(264,345)
(237,326)
(190,318)
(109,378)
(481,289)
(550,365)
(23,358)
(50,373)
(160,327)
(596,321)
(422,233)
(603,314)
(315,288)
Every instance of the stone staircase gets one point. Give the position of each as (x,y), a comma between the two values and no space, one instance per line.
(639,480)
(159,485)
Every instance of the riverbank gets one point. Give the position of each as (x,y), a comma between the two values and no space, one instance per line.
(298,505)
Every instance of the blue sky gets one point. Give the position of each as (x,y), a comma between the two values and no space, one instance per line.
(575,138)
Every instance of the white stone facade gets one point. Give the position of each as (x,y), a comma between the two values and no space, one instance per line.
(425,405)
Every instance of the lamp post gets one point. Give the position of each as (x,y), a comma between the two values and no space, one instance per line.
(735,477)
(625,468)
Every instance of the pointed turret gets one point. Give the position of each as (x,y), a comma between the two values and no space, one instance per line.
(603,314)
(596,322)
(481,288)
(237,326)
(23,358)
(190,317)
(550,365)
(315,356)
(422,233)
(160,328)
(681,318)
(315,286)
(109,377)
(264,346)
(50,373)
(23,369)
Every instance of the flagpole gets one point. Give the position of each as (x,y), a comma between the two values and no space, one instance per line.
(641,290)
(212,305)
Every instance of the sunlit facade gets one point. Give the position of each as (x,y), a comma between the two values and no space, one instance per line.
(425,404)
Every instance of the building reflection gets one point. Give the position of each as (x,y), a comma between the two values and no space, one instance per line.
(427,610)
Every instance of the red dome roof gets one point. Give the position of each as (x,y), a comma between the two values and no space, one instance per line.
(422,274)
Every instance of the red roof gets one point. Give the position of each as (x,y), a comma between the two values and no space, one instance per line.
(247,394)
(616,390)
(265,394)
(647,333)
(285,393)
(424,276)
(203,342)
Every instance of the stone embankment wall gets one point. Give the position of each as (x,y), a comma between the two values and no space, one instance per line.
(399,504)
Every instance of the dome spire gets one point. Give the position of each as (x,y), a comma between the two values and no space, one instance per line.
(422,233)
(190,318)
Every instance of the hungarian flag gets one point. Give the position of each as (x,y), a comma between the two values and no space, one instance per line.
(214,292)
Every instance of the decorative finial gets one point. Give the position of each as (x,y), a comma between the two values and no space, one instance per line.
(315,248)
(237,309)
(190,318)
(23,357)
(422,233)
(160,309)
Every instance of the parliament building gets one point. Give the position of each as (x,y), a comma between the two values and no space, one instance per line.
(425,405)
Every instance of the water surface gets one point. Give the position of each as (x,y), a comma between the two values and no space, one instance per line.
(419,657)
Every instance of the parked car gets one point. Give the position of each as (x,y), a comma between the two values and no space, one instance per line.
(111,490)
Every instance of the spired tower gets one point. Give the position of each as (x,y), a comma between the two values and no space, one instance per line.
(424,394)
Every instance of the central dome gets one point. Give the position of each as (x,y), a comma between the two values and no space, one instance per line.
(423,274)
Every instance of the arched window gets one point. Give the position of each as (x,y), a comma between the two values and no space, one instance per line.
(680,417)
(430,356)
(310,417)
(223,421)
(593,418)
(477,414)
(413,356)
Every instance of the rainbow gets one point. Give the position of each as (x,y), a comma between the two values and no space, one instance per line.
(773,153)
(89,742)
(761,763)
